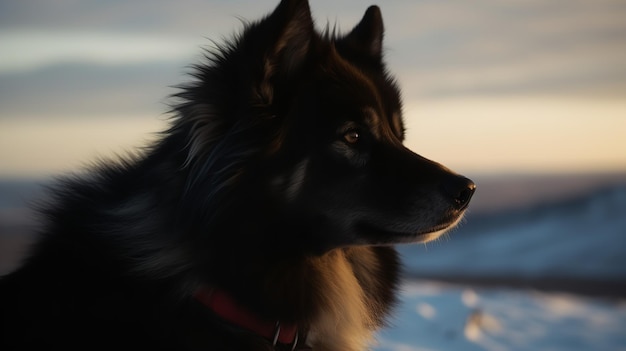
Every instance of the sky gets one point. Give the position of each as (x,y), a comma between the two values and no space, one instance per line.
(526,86)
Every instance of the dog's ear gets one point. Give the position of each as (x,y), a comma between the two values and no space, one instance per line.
(280,45)
(367,36)
(294,30)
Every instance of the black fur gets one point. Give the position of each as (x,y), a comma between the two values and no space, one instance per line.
(281,180)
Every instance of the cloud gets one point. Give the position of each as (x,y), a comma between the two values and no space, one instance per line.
(135,16)
(29,50)
(79,90)
(595,70)
(455,48)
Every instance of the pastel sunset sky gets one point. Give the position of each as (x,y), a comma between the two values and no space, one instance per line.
(527,86)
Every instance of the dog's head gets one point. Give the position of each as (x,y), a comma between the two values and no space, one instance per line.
(300,134)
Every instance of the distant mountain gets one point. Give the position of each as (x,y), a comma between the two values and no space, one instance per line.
(579,238)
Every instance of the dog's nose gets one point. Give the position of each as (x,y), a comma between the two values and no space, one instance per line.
(459,190)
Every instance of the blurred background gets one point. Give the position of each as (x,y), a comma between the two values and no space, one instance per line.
(526,97)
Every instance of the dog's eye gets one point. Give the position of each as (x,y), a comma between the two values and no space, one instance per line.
(351,136)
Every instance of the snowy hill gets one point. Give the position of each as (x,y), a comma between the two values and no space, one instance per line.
(581,238)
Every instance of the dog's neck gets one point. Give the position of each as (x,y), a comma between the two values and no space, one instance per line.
(227,308)
(324,295)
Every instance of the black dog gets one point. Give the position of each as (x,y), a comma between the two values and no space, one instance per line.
(262,219)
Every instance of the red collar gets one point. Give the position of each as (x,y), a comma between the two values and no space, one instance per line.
(222,304)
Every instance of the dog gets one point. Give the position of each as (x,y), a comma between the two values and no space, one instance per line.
(264,218)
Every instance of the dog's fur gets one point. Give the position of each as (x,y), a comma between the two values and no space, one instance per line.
(282,180)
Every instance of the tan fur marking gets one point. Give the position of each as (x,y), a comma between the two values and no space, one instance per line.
(345,322)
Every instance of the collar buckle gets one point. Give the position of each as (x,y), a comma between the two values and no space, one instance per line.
(277,335)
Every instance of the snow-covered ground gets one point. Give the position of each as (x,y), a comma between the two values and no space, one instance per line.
(438,317)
